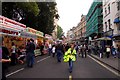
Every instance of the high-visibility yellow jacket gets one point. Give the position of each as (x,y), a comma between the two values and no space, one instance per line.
(70,55)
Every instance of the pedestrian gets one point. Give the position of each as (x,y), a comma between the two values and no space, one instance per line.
(107,51)
(67,47)
(50,49)
(118,51)
(5,60)
(21,56)
(59,51)
(76,48)
(113,51)
(86,50)
(70,56)
(101,52)
(30,47)
(13,55)
(53,50)
(42,48)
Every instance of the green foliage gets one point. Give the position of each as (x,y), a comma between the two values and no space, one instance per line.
(59,32)
(31,7)
(46,17)
(37,15)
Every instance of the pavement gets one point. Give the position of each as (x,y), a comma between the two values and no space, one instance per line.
(111,61)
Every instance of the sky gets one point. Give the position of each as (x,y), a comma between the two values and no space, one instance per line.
(70,12)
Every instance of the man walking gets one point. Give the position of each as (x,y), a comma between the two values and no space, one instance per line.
(30,52)
(60,51)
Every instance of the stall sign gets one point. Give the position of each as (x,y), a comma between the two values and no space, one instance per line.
(30,30)
(8,23)
(10,32)
(28,35)
(39,33)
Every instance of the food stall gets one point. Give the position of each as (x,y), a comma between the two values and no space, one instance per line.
(11,32)
(37,36)
(39,42)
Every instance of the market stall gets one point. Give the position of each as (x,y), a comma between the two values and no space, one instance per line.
(37,36)
(11,31)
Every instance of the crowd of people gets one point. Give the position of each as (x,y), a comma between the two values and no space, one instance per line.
(68,52)
(16,55)
(106,51)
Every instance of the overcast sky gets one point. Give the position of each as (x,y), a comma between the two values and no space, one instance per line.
(70,12)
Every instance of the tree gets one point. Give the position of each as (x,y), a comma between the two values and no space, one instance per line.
(59,32)
(46,17)
(23,12)
(37,15)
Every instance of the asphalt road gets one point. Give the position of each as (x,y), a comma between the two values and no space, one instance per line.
(48,67)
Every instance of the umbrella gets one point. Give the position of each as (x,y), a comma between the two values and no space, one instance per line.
(104,38)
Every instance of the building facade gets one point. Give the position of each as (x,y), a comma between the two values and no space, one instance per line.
(54,33)
(111,20)
(94,21)
(71,35)
(82,28)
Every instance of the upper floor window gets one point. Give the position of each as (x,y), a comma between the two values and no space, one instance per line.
(118,27)
(109,24)
(118,5)
(105,26)
(105,11)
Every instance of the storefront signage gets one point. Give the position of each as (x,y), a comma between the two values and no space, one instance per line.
(9,32)
(33,31)
(11,24)
(39,33)
(30,30)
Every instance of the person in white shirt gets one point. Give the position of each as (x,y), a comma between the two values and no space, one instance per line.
(13,55)
(53,50)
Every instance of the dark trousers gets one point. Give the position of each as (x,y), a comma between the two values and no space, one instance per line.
(3,74)
(59,55)
(107,54)
(70,65)
(50,51)
(53,54)
(84,54)
(30,60)
(13,59)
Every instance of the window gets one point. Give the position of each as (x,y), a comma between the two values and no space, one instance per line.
(105,26)
(109,8)
(118,5)
(109,24)
(105,11)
